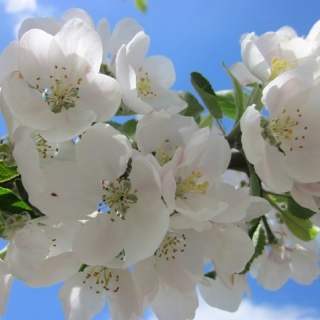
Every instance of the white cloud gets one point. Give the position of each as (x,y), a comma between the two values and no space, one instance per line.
(17,6)
(249,311)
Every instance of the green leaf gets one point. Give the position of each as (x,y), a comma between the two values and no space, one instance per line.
(129,128)
(238,94)
(298,211)
(255,96)
(24,202)
(227,103)
(301,228)
(114,124)
(141,5)
(7,173)
(206,93)
(225,99)
(259,242)
(11,204)
(212,275)
(206,121)
(194,108)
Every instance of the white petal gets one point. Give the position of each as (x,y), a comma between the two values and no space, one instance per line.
(111,151)
(76,37)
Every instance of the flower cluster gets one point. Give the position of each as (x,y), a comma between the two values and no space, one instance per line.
(145,212)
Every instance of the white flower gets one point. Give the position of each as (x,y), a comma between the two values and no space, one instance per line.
(266,57)
(84,294)
(287,257)
(225,291)
(6,279)
(145,82)
(287,148)
(58,90)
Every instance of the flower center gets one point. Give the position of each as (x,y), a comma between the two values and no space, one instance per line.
(61,93)
(190,185)
(100,278)
(286,129)
(171,245)
(165,153)
(144,84)
(118,197)
(278,67)
(44,149)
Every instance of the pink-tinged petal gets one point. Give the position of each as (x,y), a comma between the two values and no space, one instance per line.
(26,104)
(228,246)
(304,266)
(184,262)
(252,141)
(257,208)
(102,96)
(160,70)
(286,33)
(6,280)
(8,60)
(146,278)
(126,77)
(243,74)
(76,37)
(49,25)
(195,146)
(271,172)
(32,58)
(126,302)
(272,274)
(137,49)
(112,151)
(198,207)
(55,269)
(103,29)
(68,124)
(209,156)
(238,202)
(178,129)
(178,221)
(68,194)
(168,190)
(26,252)
(100,239)
(254,60)
(288,86)
(74,13)
(123,33)
(218,295)
(269,46)
(168,100)
(304,193)
(79,301)
(11,122)
(29,169)
(171,304)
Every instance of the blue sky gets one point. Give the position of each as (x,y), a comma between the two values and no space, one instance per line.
(197,35)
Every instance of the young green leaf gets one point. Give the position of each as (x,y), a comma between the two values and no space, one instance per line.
(141,5)
(206,93)
(194,108)
(259,242)
(206,121)
(255,96)
(11,204)
(7,173)
(298,211)
(238,94)
(301,228)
